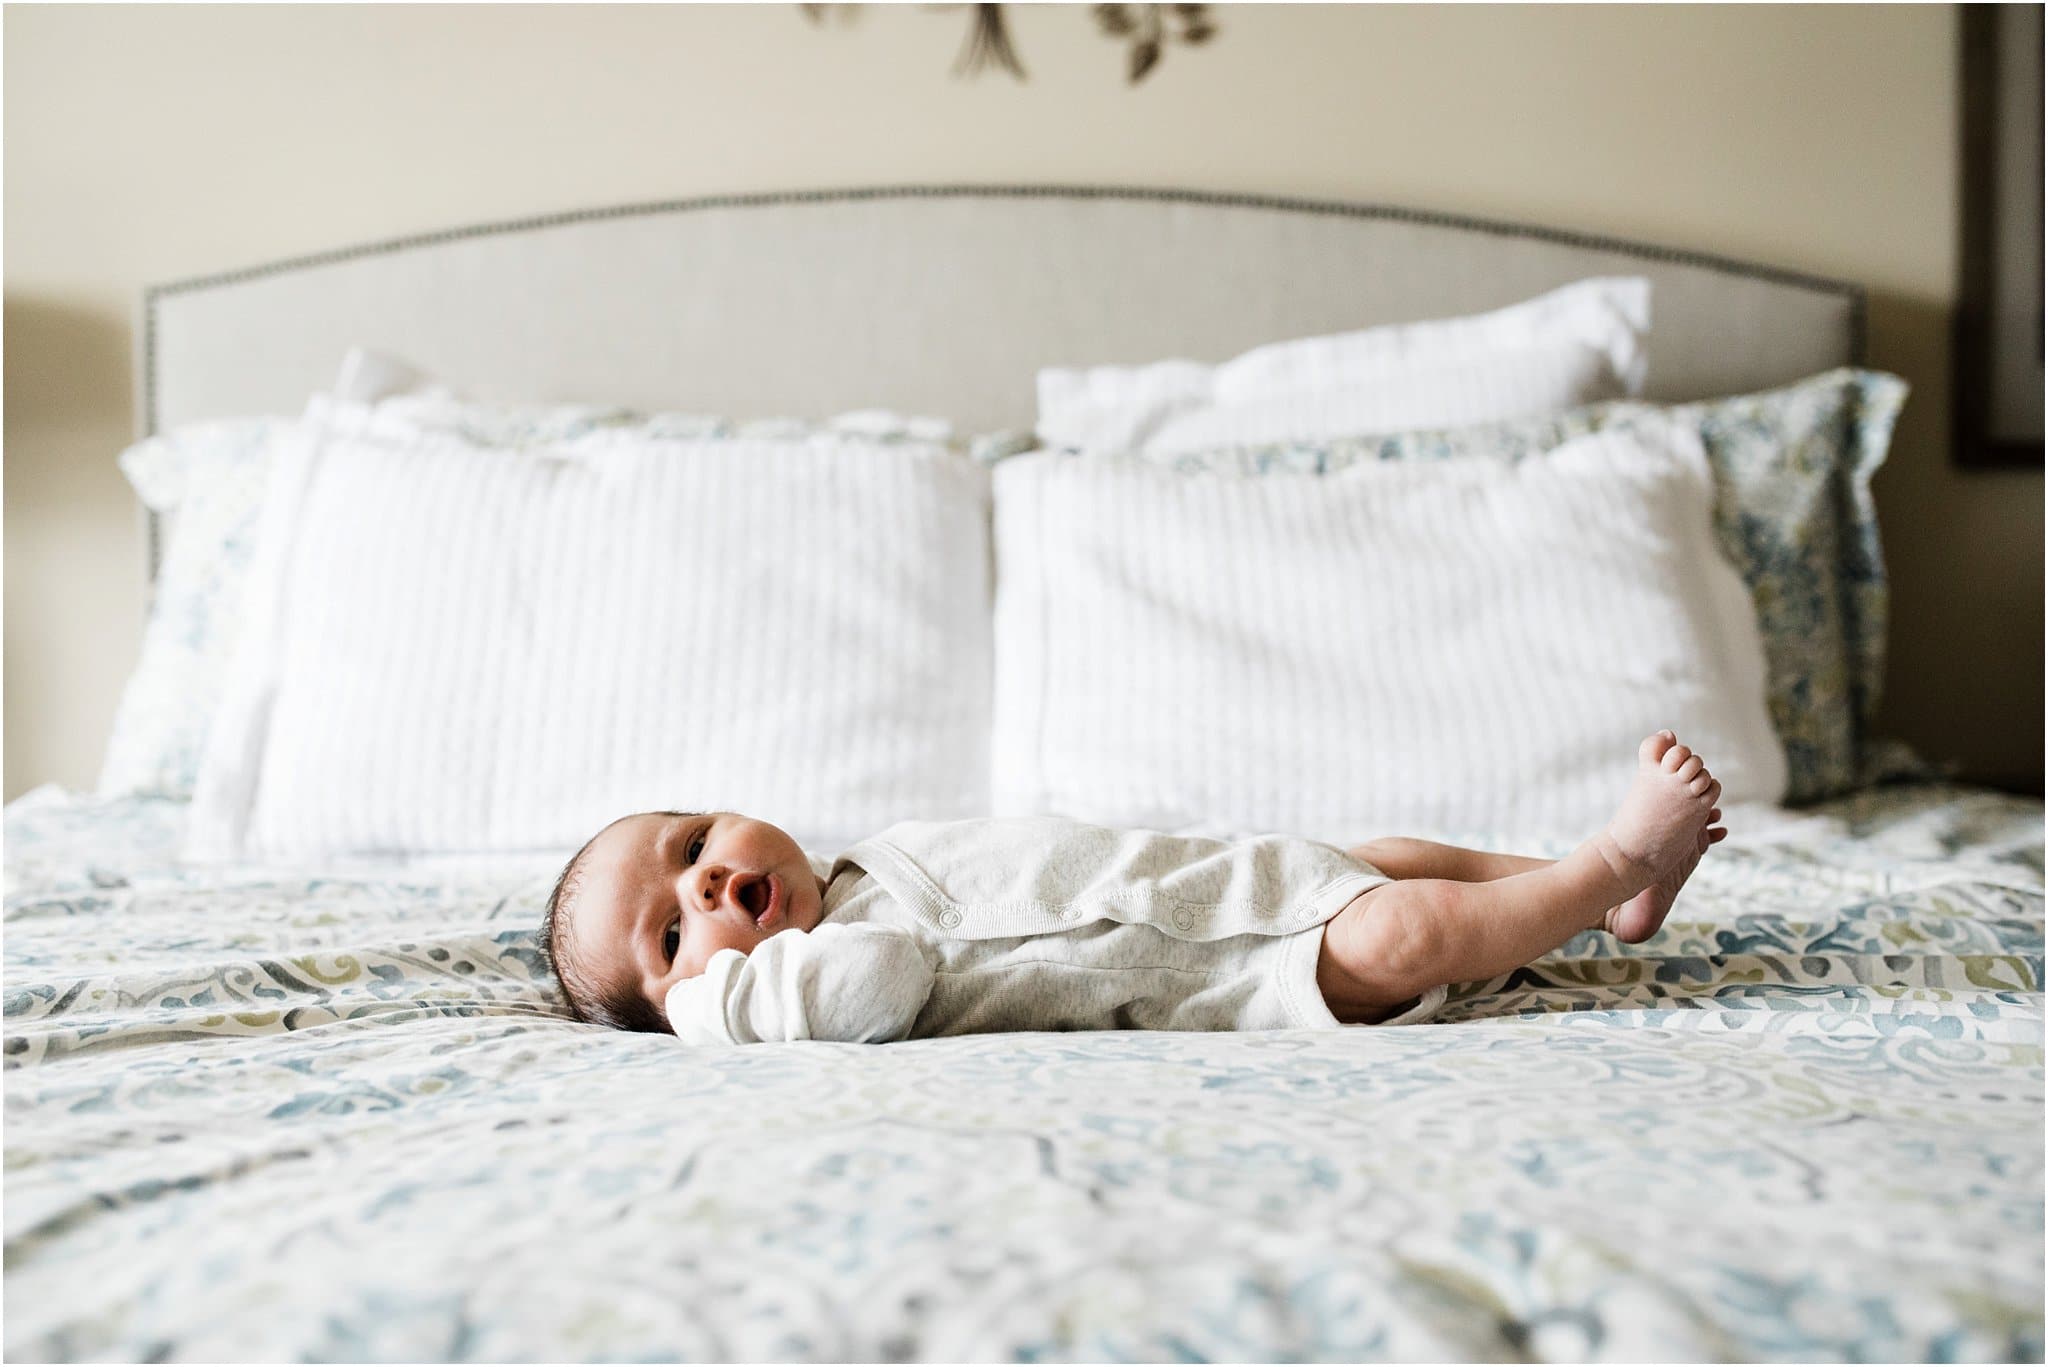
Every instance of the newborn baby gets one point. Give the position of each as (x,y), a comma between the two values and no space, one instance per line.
(718,927)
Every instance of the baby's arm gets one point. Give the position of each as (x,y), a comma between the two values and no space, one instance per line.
(857,983)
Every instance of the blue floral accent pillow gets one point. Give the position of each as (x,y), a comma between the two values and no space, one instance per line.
(1794,514)
(209,478)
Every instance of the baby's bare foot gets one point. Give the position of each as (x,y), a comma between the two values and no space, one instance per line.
(1642,915)
(1655,841)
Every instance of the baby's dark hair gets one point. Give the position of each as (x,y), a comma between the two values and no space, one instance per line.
(613,1005)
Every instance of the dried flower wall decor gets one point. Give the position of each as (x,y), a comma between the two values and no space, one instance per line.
(1148,29)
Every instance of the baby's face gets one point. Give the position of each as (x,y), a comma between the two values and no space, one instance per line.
(662,892)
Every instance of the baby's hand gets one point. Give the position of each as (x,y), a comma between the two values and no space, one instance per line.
(855,983)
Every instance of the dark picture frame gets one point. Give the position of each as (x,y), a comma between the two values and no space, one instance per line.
(1998,324)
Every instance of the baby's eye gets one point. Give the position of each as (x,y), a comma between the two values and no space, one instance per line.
(696,849)
(672,940)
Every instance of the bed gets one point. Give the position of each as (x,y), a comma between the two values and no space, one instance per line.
(334,1108)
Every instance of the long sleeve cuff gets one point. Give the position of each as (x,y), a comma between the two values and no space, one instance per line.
(856,983)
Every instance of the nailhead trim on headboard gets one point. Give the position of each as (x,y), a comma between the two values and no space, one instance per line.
(1562,237)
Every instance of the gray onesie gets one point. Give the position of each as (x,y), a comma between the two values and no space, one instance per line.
(1039,923)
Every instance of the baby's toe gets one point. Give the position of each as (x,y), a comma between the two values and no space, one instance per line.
(1675,756)
(1691,769)
(1701,782)
(1653,747)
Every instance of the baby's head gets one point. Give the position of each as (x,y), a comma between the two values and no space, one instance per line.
(649,900)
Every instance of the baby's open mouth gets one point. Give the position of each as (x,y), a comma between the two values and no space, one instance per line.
(756,895)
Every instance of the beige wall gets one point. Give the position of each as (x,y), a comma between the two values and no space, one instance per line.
(147,144)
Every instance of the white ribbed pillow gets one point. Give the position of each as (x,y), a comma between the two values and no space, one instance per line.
(459,646)
(1408,647)
(1574,345)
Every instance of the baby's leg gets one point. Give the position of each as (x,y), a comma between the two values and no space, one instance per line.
(1407,857)
(1397,941)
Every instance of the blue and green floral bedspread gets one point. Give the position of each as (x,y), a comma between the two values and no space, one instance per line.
(337,1115)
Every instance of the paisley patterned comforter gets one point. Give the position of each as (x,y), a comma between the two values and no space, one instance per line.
(335,1114)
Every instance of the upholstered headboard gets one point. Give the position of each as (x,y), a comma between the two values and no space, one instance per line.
(938,300)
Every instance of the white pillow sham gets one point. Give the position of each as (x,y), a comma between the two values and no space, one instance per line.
(1401,648)
(1574,345)
(459,646)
